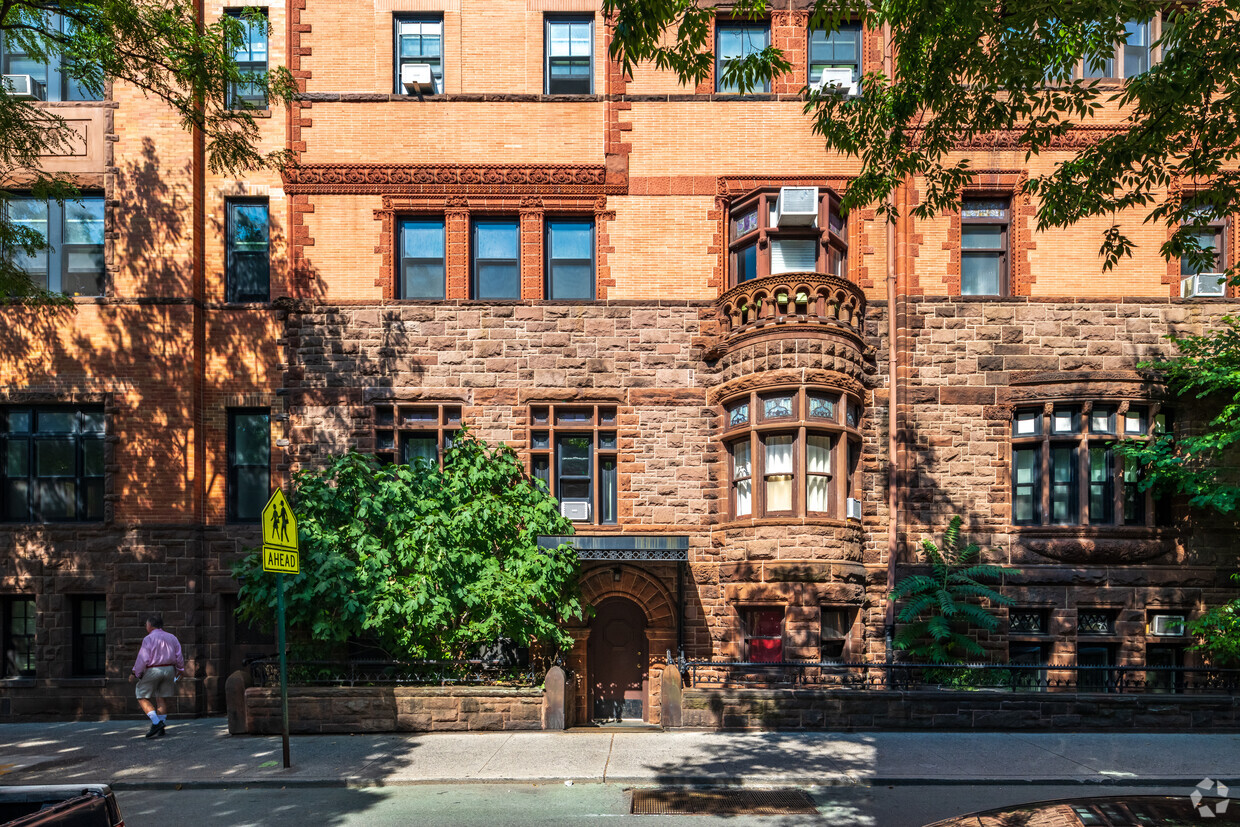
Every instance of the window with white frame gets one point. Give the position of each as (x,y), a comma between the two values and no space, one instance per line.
(419,40)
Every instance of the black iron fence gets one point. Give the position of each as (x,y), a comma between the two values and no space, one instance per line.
(1016,677)
(265,671)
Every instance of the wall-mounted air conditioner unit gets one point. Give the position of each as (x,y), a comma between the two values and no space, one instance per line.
(23,87)
(853,509)
(1167,625)
(1203,285)
(417,78)
(837,79)
(575,510)
(797,207)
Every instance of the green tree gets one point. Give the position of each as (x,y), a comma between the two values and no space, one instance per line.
(429,562)
(943,606)
(1218,633)
(979,73)
(160,48)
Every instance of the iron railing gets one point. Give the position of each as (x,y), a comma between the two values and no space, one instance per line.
(265,671)
(1016,677)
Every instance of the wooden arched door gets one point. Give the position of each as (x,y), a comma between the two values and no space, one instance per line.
(618,661)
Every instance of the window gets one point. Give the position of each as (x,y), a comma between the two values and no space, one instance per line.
(819,248)
(249,464)
(1212,240)
(570,259)
(839,49)
(17,627)
(569,62)
(764,635)
(984,247)
(497,259)
(1028,654)
(247,252)
(1132,55)
(1096,655)
(573,450)
(1065,472)
(409,434)
(419,40)
(793,444)
(833,631)
(72,263)
(90,631)
(734,41)
(54,77)
(53,464)
(1166,660)
(251,58)
(422,258)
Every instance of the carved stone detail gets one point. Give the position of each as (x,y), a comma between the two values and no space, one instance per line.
(382,179)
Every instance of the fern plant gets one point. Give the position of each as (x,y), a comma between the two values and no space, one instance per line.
(943,606)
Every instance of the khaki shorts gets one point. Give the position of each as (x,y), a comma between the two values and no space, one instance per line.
(157,682)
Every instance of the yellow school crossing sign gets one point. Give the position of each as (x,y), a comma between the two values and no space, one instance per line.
(280,548)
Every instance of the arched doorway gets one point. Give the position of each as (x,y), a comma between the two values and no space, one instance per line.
(618,661)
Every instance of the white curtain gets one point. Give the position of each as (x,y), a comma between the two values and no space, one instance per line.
(818,472)
(779,473)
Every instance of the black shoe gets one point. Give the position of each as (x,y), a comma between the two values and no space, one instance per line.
(162,731)
(156,729)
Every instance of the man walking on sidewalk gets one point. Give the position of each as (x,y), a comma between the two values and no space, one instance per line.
(158,665)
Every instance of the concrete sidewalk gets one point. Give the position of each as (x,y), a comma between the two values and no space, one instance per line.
(200,753)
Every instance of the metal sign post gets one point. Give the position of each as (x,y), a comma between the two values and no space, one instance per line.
(281,554)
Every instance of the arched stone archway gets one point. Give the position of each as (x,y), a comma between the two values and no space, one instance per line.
(614,586)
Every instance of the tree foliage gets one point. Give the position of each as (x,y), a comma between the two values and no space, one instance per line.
(968,72)
(158,47)
(1218,633)
(429,562)
(940,608)
(1199,462)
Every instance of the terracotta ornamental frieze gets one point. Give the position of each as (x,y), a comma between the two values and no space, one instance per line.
(388,179)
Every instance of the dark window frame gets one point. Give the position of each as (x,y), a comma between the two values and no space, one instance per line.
(23,643)
(840,637)
(550,224)
(401,290)
(550,20)
(831,235)
(398,423)
(88,447)
(58,251)
(550,424)
(90,664)
(233,292)
(476,262)
(57,85)
(756,428)
(398,60)
(234,96)
(233,488)
(1003,252)
(749,624)
(721,63)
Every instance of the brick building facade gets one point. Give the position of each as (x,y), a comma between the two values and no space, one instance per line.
(609,274)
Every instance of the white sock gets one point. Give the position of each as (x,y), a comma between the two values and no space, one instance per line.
(154,716)
(163,718)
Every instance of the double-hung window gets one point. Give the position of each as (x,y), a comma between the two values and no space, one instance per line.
(52,467)
(72,261)
(411,434)
(17,626)
(984,232)
(249,464)
(54,79)
(250,92)
(1131,56)
(764,635)
(1206,270)
(735,41)
(569,47)
(422,258)
(1065,471)
(497,259)
(838,49)
(570,259)
(760,245)
(573,450)
(419,40)
(247,252)
(90,636)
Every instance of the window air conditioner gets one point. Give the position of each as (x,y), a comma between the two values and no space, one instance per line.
(853,509)
(797,207)
(23,87)
(1202,284)
(417,78)
(575,510)
(838,79)
(1167,625)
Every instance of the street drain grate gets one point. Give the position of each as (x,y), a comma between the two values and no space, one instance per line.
(722,802)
